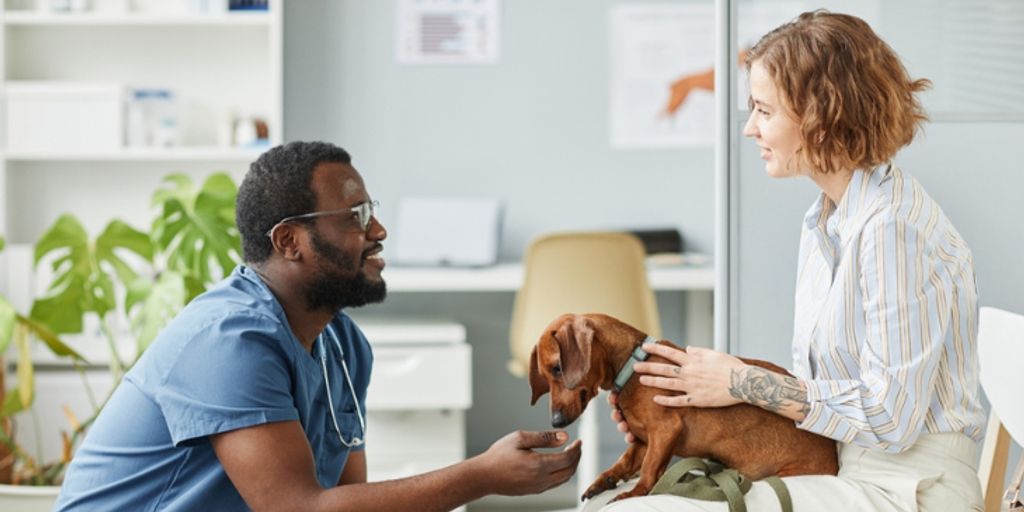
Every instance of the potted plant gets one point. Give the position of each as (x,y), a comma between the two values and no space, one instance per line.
(147,276)
(20,329)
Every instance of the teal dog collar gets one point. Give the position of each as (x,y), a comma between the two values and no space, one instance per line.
(638,355)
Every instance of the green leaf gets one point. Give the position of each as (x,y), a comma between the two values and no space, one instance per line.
(158,303)
(193,288)
(44,334)
(67,234)
(6,324)
(26,380)
(119,235)
(63,307)
(182,190)
(84,272)
(62,311)
(12,403)
(196,228)
(1,243)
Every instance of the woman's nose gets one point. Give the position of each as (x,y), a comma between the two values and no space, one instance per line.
(750,128)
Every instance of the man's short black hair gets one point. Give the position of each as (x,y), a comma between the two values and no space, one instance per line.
(278,186)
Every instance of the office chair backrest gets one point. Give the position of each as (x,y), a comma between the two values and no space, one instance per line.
(589,272)
(1000,352)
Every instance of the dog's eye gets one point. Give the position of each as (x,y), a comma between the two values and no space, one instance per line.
(556,370)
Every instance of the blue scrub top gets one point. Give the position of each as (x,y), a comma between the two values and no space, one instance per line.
(228,361)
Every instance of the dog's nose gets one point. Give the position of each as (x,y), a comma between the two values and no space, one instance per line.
(558,419)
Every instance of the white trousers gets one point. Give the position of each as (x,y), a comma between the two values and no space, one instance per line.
(937,474)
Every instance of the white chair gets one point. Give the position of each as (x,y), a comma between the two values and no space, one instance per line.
(1000,352)
(583,272)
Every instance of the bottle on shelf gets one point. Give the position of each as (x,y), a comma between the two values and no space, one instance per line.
(152,119)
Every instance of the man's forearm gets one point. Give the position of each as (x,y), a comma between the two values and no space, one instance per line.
(440,490)
(781,394)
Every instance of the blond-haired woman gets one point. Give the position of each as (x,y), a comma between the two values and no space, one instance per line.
(884,342)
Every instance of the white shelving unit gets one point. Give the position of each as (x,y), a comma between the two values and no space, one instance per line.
(218,65)
(229,19)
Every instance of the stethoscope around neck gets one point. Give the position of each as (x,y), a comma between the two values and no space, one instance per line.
(353,441)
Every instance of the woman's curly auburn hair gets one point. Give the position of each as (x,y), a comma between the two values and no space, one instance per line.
(854,100)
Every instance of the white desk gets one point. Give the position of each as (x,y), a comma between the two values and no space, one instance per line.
(508,277)
(699,280)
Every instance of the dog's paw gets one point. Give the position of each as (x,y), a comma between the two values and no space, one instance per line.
(628,494)
(603,483)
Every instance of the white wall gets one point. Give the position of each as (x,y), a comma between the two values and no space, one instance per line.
(531,129)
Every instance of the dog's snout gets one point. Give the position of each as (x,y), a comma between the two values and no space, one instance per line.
(558,419)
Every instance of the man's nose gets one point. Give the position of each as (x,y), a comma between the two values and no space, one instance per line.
(377,230)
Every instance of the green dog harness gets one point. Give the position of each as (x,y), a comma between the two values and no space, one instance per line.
(705,480)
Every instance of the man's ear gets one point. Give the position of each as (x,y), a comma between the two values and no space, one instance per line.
(574,339)
(538,384)
(286,241)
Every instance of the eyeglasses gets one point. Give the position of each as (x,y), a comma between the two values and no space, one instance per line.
(364,212)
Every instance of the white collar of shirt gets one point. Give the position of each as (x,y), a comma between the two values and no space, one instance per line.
(841,222)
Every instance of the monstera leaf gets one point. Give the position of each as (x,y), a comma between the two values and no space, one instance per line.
(151,304)
(85,271)
(196,228)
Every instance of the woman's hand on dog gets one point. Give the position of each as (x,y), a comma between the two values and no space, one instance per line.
(618,418)
(513,468)
(700,377)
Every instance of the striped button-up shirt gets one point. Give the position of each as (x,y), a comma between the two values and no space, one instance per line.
(886,317)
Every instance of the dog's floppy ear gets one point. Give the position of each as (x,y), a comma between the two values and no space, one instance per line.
(538,384)
(574,339)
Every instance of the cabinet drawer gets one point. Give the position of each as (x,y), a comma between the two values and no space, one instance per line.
(406,435)
(420,377)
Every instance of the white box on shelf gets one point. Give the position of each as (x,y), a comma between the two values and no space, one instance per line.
(60,116)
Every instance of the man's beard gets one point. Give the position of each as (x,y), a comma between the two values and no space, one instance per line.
(332,290)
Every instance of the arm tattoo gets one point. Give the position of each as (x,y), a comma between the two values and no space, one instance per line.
(768,390)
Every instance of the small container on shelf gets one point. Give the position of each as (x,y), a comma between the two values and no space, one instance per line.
(152,119)
(251,133)
(248,5)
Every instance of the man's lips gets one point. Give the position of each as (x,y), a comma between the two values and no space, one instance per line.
(374,255)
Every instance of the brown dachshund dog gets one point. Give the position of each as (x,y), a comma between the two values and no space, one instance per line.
(578,355)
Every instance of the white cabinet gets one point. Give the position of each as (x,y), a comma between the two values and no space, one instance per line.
(419,391)
(190,81)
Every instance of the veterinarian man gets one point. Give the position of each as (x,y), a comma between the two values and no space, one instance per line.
(886,316)
(254,396)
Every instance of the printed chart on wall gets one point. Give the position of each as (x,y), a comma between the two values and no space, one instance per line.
(448,31)
(661,71)
(654,48)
